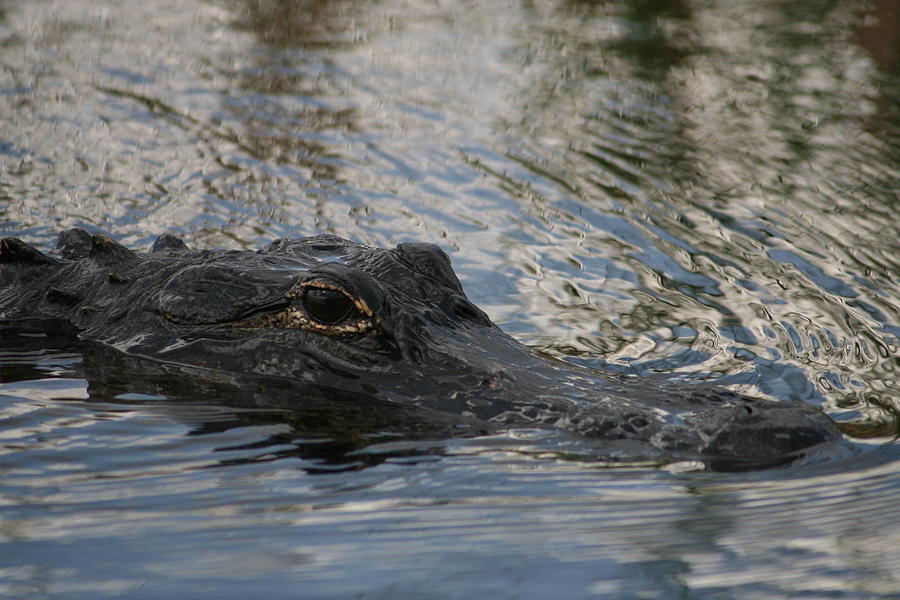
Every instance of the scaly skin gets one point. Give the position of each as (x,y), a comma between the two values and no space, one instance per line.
(393,325)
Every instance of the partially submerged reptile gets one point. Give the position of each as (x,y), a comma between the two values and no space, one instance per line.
(391,325)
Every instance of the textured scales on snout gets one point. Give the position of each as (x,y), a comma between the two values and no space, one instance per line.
(394,324)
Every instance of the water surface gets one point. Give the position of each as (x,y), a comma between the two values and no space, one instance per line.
(704,189)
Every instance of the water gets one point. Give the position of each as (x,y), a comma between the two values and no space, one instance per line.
(703,189)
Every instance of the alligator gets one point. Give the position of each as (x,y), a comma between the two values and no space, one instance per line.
(390,325)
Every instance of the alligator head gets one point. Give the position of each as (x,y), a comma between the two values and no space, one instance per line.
(394,325)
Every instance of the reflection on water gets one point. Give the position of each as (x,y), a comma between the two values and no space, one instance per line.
(154,495)
(705,189)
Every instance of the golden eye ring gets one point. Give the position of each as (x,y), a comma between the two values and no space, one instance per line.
(321,306)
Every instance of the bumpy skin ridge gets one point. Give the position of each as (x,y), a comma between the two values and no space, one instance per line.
(410,336)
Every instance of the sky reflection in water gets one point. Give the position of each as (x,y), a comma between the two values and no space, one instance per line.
(707,190)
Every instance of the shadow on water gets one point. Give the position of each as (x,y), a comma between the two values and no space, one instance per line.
(327,429)
(183,477)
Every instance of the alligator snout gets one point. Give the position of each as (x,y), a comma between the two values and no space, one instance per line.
(766,432)
(644,418)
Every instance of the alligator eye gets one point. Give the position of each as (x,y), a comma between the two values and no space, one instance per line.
(329,306)
(319,306)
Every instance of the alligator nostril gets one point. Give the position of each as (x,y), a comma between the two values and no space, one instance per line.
(638,422)
(633,422)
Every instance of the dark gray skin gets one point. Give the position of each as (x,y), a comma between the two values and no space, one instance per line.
(392,325)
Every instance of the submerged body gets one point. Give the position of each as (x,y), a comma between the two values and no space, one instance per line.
(393,327)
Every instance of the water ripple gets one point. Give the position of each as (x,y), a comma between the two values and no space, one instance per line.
(706,190)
